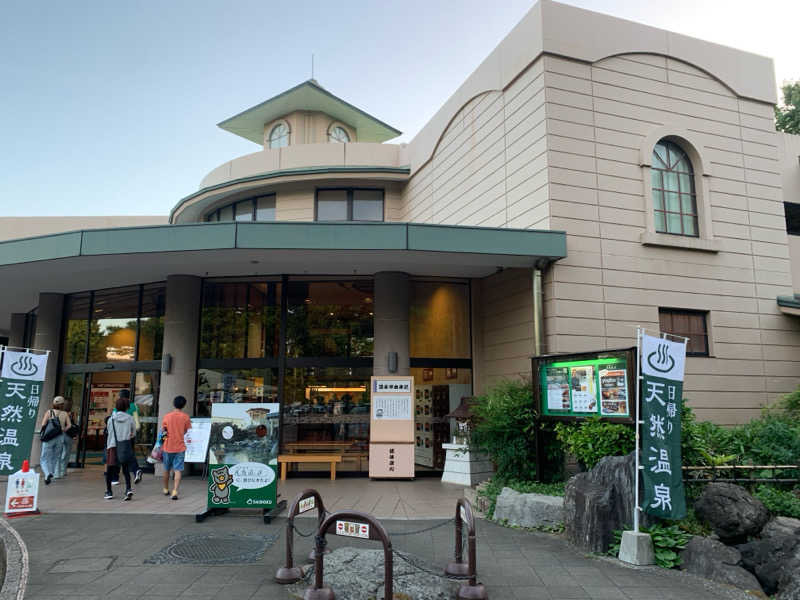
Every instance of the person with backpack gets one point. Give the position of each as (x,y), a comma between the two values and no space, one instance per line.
(119,446)
(55,422)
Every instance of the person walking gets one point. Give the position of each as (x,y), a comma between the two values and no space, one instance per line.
(174,426)
(133,465)
(52,448)
(121,431)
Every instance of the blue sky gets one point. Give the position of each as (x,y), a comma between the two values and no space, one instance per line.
(110,108)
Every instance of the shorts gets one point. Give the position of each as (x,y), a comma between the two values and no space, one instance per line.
(173,461)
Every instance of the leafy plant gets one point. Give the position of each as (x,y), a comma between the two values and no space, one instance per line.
(668,540)
(592,439)
(779,502)
(504,427)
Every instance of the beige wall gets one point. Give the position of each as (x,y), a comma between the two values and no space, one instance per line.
(789,153)
(22,227)
(502,327)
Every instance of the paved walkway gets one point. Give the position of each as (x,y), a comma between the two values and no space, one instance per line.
(512,563)
(82,492)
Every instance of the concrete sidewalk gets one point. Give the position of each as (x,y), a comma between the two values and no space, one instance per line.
(102,556)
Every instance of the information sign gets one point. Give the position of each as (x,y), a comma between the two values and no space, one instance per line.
(243,455)
(352,529)
(196,440)
(306,504)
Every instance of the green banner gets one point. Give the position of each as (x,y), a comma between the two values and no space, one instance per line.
(242,456)
(20,391)
(661,405)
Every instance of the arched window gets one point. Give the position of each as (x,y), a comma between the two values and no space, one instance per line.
(674,197)
(339,134)
(279,136)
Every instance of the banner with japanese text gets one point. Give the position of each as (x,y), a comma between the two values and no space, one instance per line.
(662,364)
(21,383)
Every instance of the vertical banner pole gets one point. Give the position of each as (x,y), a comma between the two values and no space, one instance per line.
(638,421)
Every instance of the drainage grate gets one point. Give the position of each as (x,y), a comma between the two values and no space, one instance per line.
(213,549)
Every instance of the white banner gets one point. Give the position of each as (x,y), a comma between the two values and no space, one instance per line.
(196,440)
(24,365)
(663,358)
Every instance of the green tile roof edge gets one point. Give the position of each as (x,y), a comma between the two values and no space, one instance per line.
(550,245)
(313,84)
(789,301)
(283,173)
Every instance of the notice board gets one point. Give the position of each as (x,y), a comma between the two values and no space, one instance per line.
(391,426)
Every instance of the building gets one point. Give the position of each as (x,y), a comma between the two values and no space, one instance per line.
(593,174)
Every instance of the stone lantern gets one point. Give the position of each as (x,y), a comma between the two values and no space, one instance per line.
(463,464)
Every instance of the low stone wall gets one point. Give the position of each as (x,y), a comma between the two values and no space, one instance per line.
(13,563)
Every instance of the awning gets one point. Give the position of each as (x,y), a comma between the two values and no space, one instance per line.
(789,305)
(105,258)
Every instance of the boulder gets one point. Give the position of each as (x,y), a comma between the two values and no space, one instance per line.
(732,512)
(598,502)
(529,510)
(714,560)
(790,588)
(781,526)
(773,560)
(357,574)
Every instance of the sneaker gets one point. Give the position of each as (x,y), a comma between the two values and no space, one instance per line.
(166,491)
(174,494)
(108,496)
(128,495)
(115,482)
(138,477)
(48,479)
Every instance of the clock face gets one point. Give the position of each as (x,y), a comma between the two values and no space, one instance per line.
(338,134)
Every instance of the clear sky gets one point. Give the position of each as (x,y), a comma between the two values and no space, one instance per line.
(110,108)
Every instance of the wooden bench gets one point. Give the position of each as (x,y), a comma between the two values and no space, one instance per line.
(283,459)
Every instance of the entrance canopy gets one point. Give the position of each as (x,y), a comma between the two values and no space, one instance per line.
(102,258)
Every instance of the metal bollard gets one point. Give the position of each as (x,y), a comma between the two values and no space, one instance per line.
(472,590)
(349,524)
(304,501)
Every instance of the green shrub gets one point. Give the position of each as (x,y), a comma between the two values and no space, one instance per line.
(668,540)
(779,502)
(592,439)
(505,427)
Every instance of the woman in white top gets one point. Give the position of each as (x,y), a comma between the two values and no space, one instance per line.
(51,449)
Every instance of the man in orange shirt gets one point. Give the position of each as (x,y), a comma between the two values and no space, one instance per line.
(174,426)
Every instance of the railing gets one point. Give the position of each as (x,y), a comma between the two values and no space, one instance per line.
(714,473)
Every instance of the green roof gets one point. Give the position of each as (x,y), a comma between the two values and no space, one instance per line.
(310,96)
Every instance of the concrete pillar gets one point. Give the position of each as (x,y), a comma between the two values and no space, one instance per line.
(392,297)
(181,334)
(48,337)
(17,334)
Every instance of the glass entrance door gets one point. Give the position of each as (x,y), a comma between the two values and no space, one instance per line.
(91,398)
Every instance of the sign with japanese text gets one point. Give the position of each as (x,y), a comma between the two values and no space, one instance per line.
(243,455)
(581,388)
(306,504)
(21,384)
(662,364)
(22,492)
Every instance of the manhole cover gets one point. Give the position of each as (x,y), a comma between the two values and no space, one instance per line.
(213,549)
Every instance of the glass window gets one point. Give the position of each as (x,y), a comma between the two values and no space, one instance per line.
(226,213)
(333,318)
(328,405)
(72,388)
(686,323)
(265,208)
(234,385)
(792,212)
(213,217)
(263,319)
(367,205)
(438,391)
(151,322)
(439,320)
(279,136)
(77,328)
(674,198)
(244,210)
(146,387)
(332,205)
(112,334)
(339,134)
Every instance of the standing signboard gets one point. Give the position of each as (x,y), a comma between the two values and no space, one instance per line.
(21,384)
(243,456)
(662,368)
(196,440)
(391,430)
(22,492)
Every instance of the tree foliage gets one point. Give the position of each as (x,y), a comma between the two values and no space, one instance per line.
(787,117)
